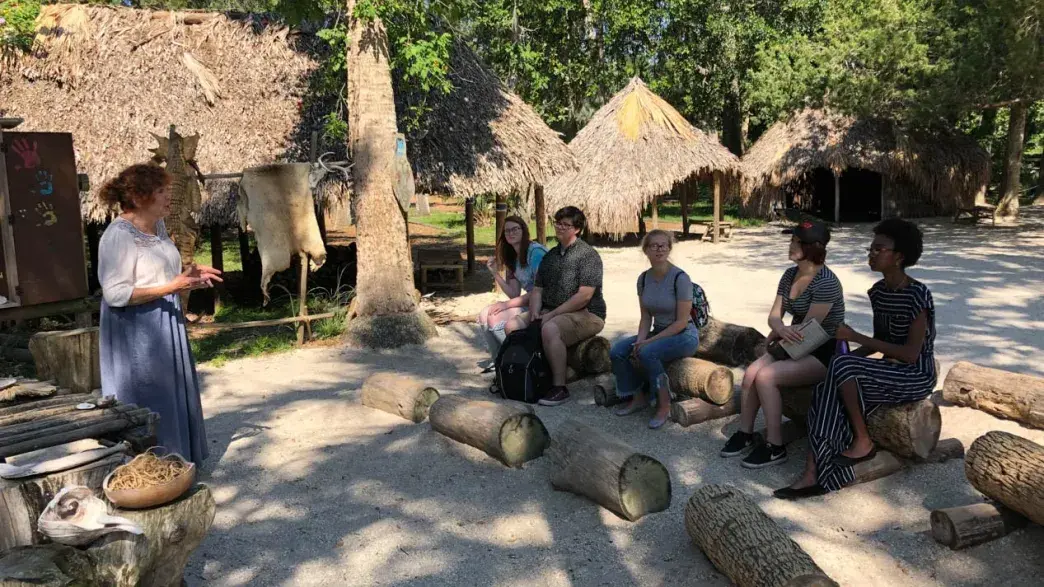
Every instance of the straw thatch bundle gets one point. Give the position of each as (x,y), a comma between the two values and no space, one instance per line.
(112,76)
(634,149)
(482,139)
(951,170)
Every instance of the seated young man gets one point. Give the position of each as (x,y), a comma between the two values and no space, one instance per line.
(567,297)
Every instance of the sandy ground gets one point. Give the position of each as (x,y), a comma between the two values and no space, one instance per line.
(313,489)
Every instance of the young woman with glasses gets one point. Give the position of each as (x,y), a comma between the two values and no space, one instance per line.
(666,332)
(519,259)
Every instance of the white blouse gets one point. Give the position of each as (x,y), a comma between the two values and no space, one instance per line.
(129,258)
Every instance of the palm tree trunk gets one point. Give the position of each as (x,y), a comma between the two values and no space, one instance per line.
(1009,202)
(387,314)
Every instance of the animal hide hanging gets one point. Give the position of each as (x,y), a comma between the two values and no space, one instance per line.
(277,203)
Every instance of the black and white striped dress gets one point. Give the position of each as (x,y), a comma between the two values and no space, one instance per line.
(880,381)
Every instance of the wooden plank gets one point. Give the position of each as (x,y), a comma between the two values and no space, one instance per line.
(50,309)
(10,268)
(215,326)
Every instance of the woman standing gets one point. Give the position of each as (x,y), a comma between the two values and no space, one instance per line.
(904,332)
(520,260)
(808,290)
(145,354)
(666,331)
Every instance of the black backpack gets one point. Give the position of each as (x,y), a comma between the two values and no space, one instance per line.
(522,372)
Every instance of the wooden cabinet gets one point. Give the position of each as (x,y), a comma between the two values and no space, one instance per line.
(42,232)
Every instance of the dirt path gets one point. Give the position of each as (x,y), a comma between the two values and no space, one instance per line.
(315,490)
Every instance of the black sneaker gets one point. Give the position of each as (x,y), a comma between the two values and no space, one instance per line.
(765,455)
(559,395)
(739,443)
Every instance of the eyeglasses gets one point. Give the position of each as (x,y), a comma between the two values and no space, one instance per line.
(513,230)
(659,247)
(563,225)
(876,250)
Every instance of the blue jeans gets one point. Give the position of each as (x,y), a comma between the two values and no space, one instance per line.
(651,358)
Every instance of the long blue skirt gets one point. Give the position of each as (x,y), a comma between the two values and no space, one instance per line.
(146,360)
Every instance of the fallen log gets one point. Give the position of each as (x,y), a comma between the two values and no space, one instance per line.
(693,411)
(507,431)
(588,462)
(968,525)
(399,395)
(70,357)
(1008,469)
(729,344)
(882,465)
(604,392)
(701,379)
(945,450)
(1014,396)
(589,356)
(745,544)
(908,430)
(156,557)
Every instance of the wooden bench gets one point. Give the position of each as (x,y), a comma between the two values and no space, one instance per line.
(437,264)
(976,213)
(705,230)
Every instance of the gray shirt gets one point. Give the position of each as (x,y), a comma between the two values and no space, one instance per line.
(659,297)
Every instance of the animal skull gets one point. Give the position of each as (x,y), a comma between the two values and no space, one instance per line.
(321,168)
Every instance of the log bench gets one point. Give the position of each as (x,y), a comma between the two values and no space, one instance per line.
(973,214)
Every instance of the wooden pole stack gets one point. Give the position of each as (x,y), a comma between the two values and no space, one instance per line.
(70,426)
(745,544)
(588,462)
(507,431)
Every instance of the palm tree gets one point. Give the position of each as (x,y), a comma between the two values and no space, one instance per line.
(387,312)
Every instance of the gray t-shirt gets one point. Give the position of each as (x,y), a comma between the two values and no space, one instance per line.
(660,297)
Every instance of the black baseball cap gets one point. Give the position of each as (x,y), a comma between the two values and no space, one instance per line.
(810,231)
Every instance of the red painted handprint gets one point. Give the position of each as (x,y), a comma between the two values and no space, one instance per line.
(27,151)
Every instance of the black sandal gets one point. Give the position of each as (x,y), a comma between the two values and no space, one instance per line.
(791,493)
(843,461)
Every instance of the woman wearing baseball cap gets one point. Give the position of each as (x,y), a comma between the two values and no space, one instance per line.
(808,290)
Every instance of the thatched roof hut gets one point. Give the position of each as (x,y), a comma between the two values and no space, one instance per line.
(843,168)
(480,138)
(111,76)
(633,150)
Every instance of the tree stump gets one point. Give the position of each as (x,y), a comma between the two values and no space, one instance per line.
(22,500)
(745,544)
(694,411)
(400,395)
(701,379)
(507,431)
(909,430)
(729,344)
(157,557)
(604,391)
(973,524)
(589,356)
(590,463)
(1002,393)
(70,357)
(1008,469)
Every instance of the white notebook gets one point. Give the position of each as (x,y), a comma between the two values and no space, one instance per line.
(813,336)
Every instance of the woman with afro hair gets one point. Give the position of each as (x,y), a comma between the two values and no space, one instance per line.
(855,385)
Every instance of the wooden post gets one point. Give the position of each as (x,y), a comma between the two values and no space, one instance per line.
(320,210)
(217,260)
(304,329)
(501,211)
(883,179)
(837,197)
(716,225)
(93,237)
(683,195)
(469,224)
(641,223)
(244,249)
(7,233)
(540,214)
(656,212)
